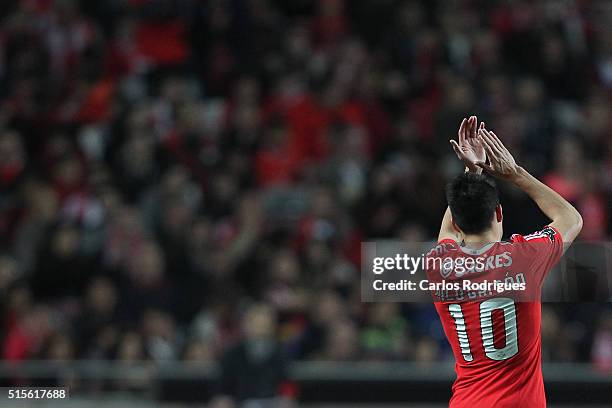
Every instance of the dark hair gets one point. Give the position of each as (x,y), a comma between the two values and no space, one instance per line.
(472,199)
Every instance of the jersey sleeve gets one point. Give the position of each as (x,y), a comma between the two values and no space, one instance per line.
(544,248)
(444,248)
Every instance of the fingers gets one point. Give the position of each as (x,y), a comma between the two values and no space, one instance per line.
(491,154)
(467,129)
(497,141)
(498,144)
(457,150)
(462,131)
(489,144)
(473,127)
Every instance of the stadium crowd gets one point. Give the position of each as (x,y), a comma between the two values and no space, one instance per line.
(166,164)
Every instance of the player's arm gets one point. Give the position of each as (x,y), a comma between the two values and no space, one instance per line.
(565,218)
(470,151)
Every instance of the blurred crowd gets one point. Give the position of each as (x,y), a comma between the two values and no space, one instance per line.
(168,166)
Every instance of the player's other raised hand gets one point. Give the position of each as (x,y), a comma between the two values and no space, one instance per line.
(468,147)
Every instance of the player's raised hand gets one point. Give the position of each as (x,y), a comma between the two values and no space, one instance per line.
(501,163)
(469,148)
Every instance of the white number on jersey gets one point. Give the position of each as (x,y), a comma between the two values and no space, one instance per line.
(486,326)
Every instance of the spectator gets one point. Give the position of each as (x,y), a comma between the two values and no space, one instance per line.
(255,368)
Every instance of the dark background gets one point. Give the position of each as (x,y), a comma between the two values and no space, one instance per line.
(164,165)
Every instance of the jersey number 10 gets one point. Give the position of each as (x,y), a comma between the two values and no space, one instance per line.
(486,326)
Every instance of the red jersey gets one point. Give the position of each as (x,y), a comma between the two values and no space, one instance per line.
(495,338)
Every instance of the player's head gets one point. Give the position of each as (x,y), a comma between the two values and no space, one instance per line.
(474,204)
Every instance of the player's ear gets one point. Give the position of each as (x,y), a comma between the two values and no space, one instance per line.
(499,214)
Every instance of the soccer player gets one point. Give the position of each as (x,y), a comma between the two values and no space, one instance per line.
(495,338)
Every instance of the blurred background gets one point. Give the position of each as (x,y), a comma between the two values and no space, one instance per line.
(185,186)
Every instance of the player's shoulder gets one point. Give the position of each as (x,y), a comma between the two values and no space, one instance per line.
(546,234)
(444,247)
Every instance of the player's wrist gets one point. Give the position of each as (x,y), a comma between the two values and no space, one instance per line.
(518,175)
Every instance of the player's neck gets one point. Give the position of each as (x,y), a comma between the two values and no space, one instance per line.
(478,240)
